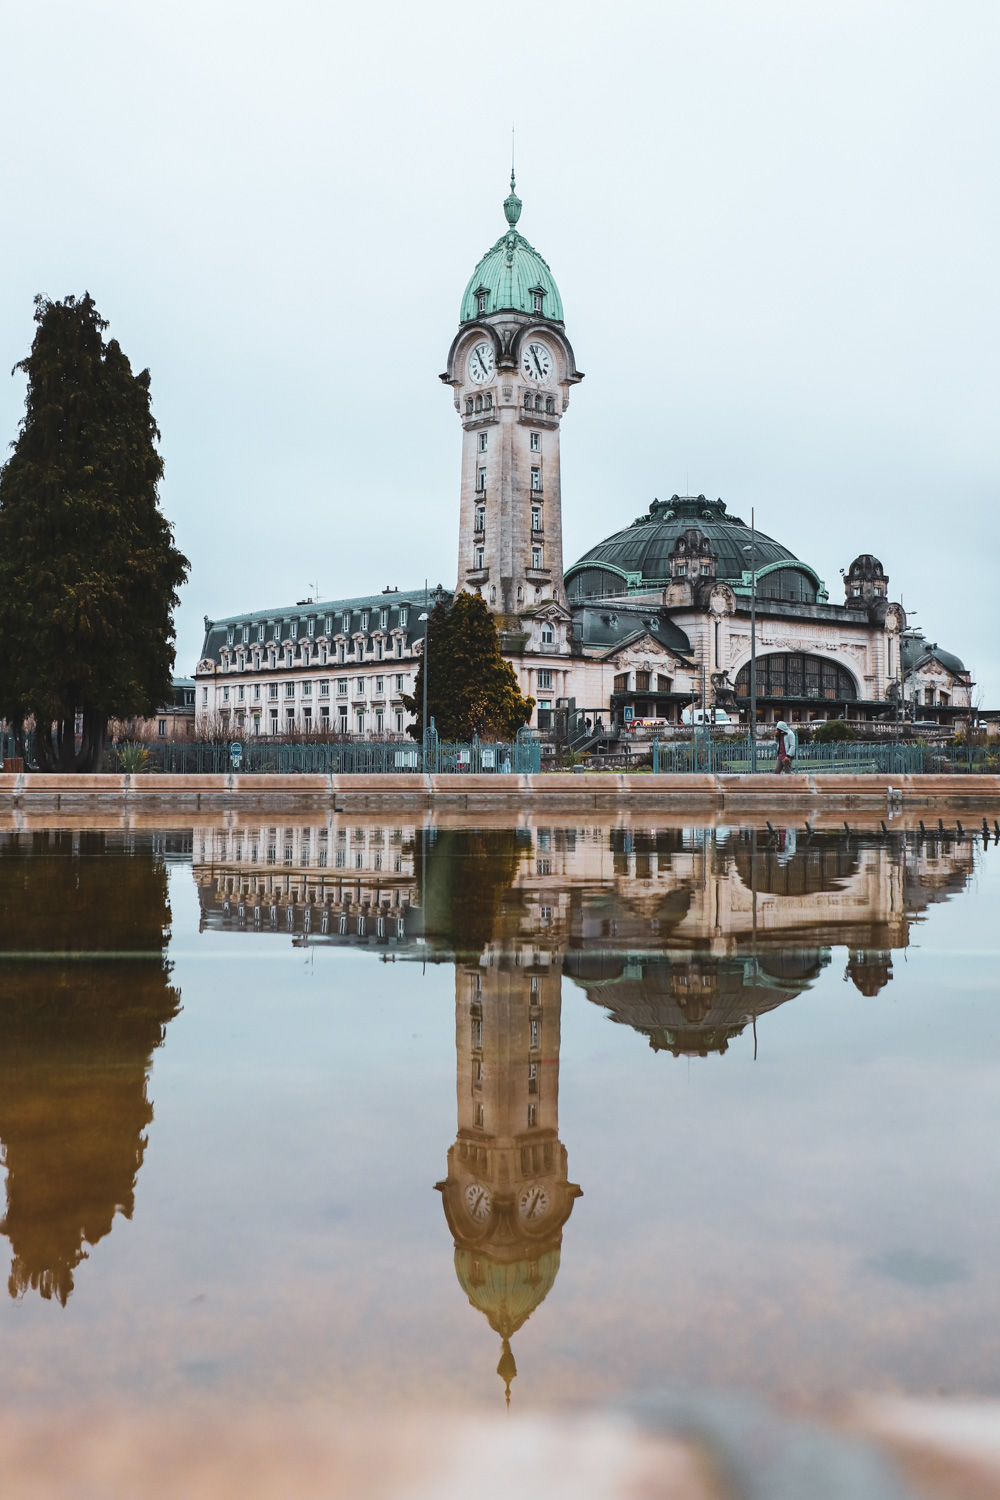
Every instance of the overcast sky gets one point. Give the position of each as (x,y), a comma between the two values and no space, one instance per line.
(774,227)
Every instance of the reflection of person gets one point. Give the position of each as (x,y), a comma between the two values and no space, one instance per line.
(786,747)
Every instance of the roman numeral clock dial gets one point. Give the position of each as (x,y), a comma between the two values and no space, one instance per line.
(481,364)
(536,361)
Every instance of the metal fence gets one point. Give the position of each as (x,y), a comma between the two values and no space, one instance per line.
(344,757)
(736,756)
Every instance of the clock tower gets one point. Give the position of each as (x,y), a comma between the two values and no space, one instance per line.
(511,367)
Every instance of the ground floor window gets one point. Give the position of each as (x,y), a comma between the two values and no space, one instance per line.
(274,721)
(399,723)
(162,728)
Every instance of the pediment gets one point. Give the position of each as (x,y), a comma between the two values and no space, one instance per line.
(645,645)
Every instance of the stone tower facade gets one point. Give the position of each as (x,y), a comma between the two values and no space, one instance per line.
(511,367)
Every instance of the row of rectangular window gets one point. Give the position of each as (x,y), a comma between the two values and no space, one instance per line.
(325,719)
(536,480)
(479,557)
(346,616)
(361,648)
(306,688)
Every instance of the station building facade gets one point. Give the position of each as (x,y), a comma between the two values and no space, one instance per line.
(653,619)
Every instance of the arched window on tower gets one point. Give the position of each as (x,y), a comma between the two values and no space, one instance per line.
(527,400)
(550,406)
(469,406)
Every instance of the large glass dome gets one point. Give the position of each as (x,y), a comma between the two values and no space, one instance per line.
(636,560)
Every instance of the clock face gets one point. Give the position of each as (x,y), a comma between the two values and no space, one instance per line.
(533,1202)
(481,364)
(478,1200)
(536,361)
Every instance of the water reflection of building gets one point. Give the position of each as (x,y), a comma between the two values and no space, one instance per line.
(76,1040)
(507,1194)
(335,881)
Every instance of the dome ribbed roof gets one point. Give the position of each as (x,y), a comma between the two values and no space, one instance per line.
(507,1293)
(510,273)
(645,547)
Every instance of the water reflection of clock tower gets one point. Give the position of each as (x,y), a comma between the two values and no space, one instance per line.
(511,367)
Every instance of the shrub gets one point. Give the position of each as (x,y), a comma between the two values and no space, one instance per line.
(132,757)
(832,730)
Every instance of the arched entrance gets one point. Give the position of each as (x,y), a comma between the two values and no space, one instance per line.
(787,679)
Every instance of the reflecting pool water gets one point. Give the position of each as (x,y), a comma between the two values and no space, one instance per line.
(365,1109)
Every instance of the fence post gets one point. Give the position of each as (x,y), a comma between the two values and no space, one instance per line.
(656,757)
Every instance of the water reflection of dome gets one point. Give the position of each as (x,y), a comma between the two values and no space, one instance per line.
(507,1293)
(870,970)
(693,1004)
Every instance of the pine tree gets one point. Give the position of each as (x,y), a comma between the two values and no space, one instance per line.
(88,570)
(471,690)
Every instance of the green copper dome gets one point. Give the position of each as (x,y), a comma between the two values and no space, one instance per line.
(510,274)
(636,560)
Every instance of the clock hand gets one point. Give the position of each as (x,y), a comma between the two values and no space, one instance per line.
(482,362)
(538,367)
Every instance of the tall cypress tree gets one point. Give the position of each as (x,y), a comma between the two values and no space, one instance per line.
(88,569)
(471,690)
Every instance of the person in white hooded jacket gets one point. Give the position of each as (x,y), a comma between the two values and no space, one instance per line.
(785,738)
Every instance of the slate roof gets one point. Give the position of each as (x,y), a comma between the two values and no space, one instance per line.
(608,624)
(916,652)
(415,600)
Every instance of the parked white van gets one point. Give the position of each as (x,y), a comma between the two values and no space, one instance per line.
(705,716)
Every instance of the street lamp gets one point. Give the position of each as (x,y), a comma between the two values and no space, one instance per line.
(751,547)
(424,619)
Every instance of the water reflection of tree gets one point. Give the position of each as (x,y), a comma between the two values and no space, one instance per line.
(463,876)
(76,1040)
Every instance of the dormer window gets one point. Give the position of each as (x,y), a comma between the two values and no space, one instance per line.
(384,620)
(364,620)
(404,615)
(548,635)
(480,302)
(261,632)
(682,570)
(246,634)
(294,629)
(229,637)
(537,299)
(312,627)
(346,623)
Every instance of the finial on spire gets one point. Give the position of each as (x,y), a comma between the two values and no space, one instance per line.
(512,203)
(507,1369)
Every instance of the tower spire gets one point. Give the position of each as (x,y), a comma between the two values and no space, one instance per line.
(507,1369)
